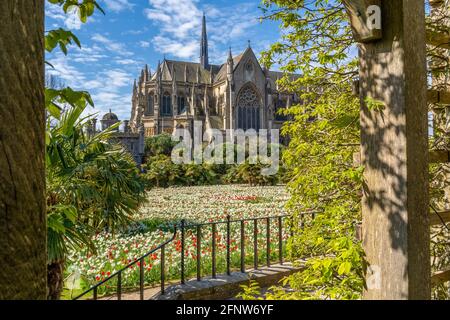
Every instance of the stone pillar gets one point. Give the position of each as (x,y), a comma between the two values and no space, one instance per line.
(141,146)
(394,140)
(94,125)
(126,126)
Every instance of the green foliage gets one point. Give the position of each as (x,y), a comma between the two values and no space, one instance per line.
(250,292)
(317,44)
(197,175)
(162,172)
(251,174)
(91,185)
(373,104)
(55,99)
(84,8)
(159,145)
(61,38)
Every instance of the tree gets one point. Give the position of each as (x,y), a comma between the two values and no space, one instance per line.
(22,172)
(159,145)
(92,186)
(317,44)
(162,172)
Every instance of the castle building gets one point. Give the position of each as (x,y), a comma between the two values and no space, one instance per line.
(238,94)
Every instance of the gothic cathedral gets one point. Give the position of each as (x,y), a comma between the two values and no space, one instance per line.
(238,94)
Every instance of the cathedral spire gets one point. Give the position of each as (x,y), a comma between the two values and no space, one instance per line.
(146,73)
(174,80)
(204,60)
(211,79)
(198,75)
(230,65)
(158,72)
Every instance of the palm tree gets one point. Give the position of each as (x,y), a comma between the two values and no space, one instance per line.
(92,186)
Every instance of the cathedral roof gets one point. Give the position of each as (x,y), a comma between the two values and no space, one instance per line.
(168,67)
(222,74)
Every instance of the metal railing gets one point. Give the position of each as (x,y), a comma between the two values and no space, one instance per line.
(183,227)
(227,223)
(118,274)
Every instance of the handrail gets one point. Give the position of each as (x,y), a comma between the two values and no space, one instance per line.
(183,226)
(192,225)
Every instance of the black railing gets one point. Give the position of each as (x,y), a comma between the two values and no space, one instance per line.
(118,274)
(227,223)
(183,227)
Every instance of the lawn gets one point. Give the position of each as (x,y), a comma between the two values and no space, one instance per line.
(154,224)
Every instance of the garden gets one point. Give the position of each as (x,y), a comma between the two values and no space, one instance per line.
(154,224)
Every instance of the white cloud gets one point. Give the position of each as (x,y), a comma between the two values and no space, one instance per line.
(144,44)
(70,75)
(118,5)
(135,32)
(70,20)
(118,78)
(158,16)
(186,49)
(179,23)
(87,55)
(111,45)
(109,88)
(126,61)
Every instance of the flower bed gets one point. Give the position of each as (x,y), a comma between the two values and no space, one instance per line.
(196,205)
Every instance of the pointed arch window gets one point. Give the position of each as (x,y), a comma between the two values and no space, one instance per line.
(166,109)
(248,109)
(181,102)
(280,104)
(150,111)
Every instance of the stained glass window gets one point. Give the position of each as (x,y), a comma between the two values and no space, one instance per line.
(248,104)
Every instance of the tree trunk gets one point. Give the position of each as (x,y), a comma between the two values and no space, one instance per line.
(23,240)
(55,280)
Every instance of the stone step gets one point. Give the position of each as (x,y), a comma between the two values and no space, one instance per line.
(228,286)
(220,288)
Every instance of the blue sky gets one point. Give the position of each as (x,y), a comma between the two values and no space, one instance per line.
(116,46)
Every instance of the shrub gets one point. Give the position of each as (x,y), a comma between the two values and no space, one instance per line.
(162,172)
(198,175)
(159,145)
(251,174)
